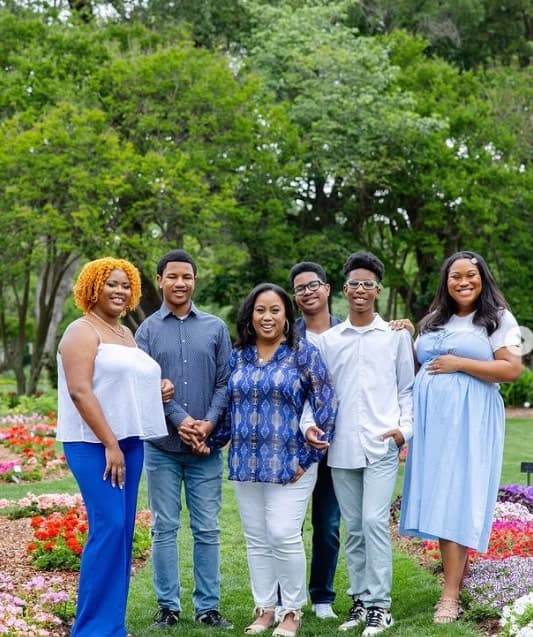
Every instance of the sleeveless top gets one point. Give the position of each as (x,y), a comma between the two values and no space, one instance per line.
(127,384)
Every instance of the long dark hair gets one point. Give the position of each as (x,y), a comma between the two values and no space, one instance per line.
(246,333)
(488,305)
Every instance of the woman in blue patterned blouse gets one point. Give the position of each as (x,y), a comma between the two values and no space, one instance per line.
(271,460)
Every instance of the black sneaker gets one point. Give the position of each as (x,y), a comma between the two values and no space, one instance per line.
(166,617)
(356,616)
(213,618)
(377,620)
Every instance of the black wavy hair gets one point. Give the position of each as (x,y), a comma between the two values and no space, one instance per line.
(245,332)
(488,305)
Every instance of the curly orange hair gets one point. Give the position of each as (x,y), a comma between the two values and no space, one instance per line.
(93,276)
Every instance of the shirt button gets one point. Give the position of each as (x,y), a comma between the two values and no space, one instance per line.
(184,360)
(184,382)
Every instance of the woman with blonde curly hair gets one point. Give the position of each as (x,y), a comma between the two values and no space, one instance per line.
(110,398)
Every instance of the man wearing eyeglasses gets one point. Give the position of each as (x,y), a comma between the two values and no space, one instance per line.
(311,295)
(372,368)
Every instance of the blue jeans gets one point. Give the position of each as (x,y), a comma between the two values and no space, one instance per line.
(325,517)
(106,559)
(364,497)
(202,480)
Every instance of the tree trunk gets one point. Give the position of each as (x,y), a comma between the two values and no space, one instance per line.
(53,287)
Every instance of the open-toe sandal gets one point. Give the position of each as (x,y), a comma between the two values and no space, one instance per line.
(256,627)
(447,611)
(286,632)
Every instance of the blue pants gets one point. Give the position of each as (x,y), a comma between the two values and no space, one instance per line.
(325,517)
(106,559)
(201,478)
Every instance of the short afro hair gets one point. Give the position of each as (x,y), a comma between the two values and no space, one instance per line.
(92,278)
(366,261)
(307,266)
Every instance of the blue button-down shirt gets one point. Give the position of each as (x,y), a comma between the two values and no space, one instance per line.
(193,353)
(265,403)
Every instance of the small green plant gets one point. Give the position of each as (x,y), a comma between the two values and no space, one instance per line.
(520,392)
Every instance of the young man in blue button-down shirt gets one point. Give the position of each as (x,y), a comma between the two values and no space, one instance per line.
(192,348)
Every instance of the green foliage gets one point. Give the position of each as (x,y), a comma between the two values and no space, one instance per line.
(61,558)
(41,403)
(519,392)
(468,33)
(257,134)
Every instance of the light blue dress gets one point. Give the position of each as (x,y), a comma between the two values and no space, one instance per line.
(454,459)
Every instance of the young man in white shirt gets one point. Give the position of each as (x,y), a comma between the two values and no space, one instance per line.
(372,369)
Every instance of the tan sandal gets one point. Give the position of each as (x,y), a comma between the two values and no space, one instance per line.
(447,611)
(286,632)
(256,627)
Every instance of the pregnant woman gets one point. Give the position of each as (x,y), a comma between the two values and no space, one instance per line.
(468,343)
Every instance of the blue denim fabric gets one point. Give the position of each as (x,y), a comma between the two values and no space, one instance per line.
(325,518)
(201,478)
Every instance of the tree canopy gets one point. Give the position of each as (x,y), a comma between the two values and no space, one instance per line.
(256,134)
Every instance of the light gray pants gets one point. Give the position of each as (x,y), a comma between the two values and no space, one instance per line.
(364,497)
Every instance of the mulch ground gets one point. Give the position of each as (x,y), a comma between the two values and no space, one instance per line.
(15,535)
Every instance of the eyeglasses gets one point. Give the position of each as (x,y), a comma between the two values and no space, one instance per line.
(367,285)
(312,286)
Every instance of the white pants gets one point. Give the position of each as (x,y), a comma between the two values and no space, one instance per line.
(272,516)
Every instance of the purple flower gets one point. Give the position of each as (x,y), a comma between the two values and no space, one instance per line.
(495,583)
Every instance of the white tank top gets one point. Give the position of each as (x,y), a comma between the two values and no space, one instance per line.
(126,382)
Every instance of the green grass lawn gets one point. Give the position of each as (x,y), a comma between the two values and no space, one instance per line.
(414,589)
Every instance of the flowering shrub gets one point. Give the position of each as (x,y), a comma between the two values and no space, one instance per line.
(508,538)
(505,571)
(31,504)
(59,538)
(517,618)
(507,510)
(517,493)
(32,439)
(491,584)
(36,607)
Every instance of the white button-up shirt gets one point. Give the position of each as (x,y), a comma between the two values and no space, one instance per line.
(372,369)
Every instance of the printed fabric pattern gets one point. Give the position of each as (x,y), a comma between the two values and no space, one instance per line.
(265,403)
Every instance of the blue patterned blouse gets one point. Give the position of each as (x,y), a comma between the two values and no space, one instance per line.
(265,402)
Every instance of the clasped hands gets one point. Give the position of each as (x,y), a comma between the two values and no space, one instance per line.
(195,432)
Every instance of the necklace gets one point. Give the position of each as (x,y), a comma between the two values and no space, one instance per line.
(119,331)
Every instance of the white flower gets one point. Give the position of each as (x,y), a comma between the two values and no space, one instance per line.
(517,618)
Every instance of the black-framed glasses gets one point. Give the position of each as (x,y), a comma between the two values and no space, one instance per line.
(312,286)
(368,284)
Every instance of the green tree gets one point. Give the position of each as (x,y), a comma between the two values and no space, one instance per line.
(58,175)
(212,165)
(468,33)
